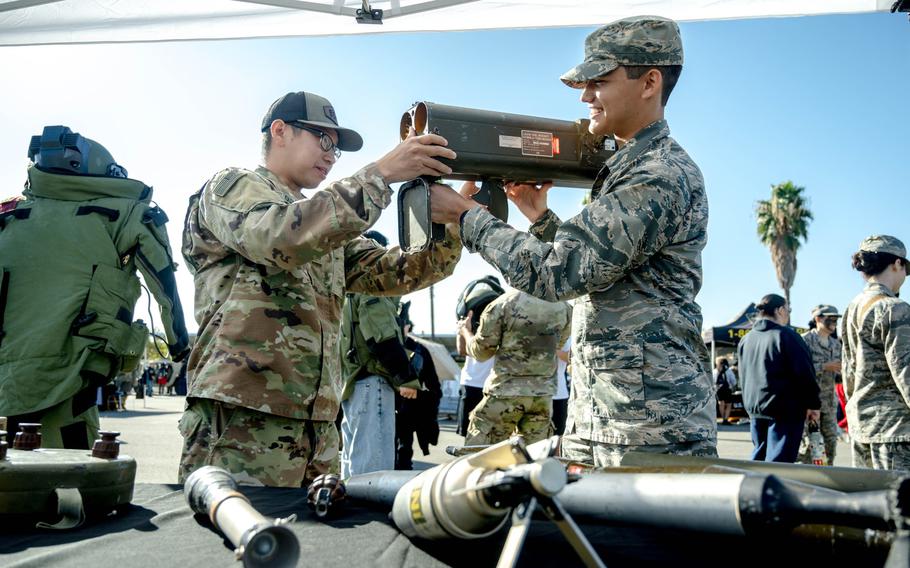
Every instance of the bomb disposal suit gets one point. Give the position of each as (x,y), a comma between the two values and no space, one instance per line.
(69,250)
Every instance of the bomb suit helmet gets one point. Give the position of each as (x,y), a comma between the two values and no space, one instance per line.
(60,150)
(476,296)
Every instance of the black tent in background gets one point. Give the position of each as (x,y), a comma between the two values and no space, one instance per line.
(729,335)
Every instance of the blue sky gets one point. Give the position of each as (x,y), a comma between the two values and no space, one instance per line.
(817,100)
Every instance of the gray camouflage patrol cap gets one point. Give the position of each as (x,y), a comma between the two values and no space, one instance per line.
(825,310)
(641,40)
(314,110)
(883,243)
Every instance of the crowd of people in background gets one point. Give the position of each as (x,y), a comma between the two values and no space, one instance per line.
(847,377)
(141,382)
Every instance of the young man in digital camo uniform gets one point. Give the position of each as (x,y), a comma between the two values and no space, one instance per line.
(271,270)
(632,257)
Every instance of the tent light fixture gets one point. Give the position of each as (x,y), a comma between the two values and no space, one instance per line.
(368,14)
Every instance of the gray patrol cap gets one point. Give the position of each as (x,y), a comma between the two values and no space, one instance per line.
(641,40)
(310,109)
(883,243)
(825,310)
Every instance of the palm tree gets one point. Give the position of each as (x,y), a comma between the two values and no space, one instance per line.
(782,221)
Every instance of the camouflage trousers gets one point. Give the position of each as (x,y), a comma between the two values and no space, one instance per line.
(827,423)
(889,455)
(602,455)
(496,418)
(258,448)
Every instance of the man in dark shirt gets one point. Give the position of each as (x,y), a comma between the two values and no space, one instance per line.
(779,387)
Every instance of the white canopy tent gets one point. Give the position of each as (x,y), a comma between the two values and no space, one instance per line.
(35,22)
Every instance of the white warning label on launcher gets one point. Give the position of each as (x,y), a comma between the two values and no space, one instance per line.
(509,141)
(535,143)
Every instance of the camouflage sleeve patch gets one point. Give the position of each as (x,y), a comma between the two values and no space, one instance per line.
(225,180)
(240,191)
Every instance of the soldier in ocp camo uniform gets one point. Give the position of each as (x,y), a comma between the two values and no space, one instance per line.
(271,269)
(876,358)
(825,350)
(523,333)
(632,257)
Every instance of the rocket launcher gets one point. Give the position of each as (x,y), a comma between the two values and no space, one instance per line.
(495,147)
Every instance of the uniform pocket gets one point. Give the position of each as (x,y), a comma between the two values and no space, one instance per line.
(108,310)
(189,423)
(134,346)
(618,381)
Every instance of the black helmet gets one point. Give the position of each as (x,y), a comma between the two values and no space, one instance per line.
(477,296)
(60,150)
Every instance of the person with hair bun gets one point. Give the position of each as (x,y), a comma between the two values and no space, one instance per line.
(876,357)
(779,388)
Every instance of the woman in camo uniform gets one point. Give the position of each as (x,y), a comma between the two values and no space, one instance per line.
(876,358)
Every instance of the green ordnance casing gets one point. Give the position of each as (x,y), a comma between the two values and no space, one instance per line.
(499,145)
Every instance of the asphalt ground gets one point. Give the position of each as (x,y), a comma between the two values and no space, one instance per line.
(148,433)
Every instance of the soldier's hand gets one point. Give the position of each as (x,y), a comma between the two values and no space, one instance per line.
(469,322)
(415,157)
(406,392)
(832,366)
(530,199)
(813,415)
(469,189)
(447,205)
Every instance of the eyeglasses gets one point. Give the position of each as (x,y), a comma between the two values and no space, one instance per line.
(325,141)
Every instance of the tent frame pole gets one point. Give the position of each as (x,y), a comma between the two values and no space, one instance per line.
(339,8)
(20,4)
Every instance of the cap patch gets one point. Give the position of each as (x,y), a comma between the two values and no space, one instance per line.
(330,113)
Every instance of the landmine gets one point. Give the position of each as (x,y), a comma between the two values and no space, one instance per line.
(61,489)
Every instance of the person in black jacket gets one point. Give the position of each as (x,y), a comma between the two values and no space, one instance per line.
(778,381)
(416,415)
